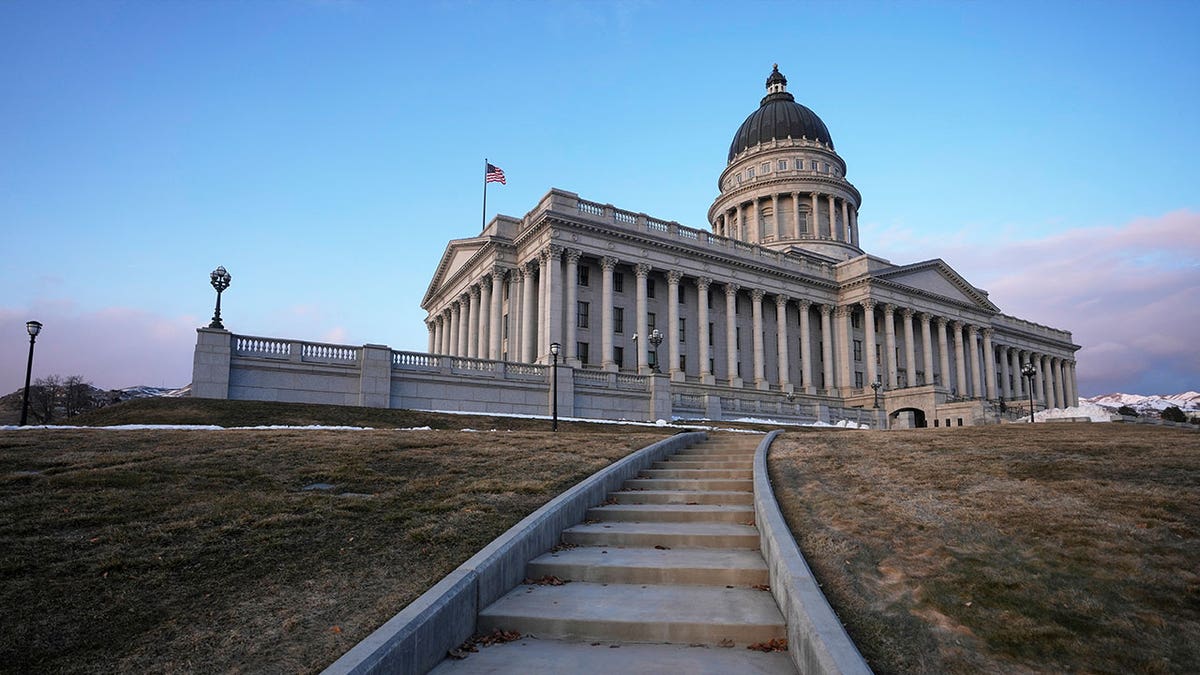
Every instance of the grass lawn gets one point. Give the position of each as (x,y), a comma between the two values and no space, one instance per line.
(202,551)
(1052,548)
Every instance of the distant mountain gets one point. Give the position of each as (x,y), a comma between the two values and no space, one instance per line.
(92,397)
(1187,402)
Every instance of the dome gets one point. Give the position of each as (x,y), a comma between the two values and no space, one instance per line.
(778,117)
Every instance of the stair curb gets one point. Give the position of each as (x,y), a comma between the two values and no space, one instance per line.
(417,639)
(817,640)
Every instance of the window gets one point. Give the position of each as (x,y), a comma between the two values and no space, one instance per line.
(878,350)
(682,294)
(505,323)
(581,314)
(682,329)
(855,321)
(766,167)
(619,282)
(737,337)
(649,288)
(858,380)
(814,165)
(651,321)
(858,350)
(750,172)
(619,356)
(710,335)
(583,275)
(739,178)
(618,320)
(783,165)
(826,167)
(804,220)
(581,348)
(683,363)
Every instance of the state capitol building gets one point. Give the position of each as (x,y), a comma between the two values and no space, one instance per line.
(776,296)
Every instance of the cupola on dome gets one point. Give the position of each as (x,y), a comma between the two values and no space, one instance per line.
(778,117)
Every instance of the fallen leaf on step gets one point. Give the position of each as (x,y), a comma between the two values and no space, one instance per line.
(662,548)
(458,654)
(772,645)
(761,587)
(726,643)
(547,580)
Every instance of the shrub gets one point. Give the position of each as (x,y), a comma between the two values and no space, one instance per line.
(1126,410)
(1174,414)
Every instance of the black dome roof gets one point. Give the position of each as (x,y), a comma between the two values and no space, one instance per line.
(778,116)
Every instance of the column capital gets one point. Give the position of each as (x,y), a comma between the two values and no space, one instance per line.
(757,294)
(972,330)
(475,292)
(868,305)
(824,309)
(531,265)
(552,251)
(956,325)
(803,304)
(907,313)
(987,332)
(942,322)
(440,318)
(703,283)
(573,255)
(731,288)
(500,270)
(841,311)
(431,324)
(642,270)
(608,262)
(673,277)
(889,310)
(781,301)
(517,273)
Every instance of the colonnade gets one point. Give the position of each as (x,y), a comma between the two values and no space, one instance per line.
(472,325)
(800,220)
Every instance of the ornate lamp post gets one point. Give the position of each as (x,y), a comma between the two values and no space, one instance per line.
(1029,372)
(220,281)
(554,347)
(34,327)
(656,338)
(876,386)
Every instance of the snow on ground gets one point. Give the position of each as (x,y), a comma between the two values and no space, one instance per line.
(209,427)
(1095,413)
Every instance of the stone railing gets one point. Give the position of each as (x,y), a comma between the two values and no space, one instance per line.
(315,352)
(244,345)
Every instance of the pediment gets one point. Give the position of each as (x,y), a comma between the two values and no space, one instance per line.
(456,256)
(937,278)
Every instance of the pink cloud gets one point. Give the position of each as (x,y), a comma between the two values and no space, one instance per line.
(1127,293)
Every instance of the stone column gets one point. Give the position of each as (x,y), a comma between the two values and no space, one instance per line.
(731,347)
(989,365)
(1060,398)
(571,282)
(431,326)
(889,341)
(1014,372)
(470,319)
(1040,380)
(464,325)
(827,347)
(673,278)
(755,225)
(778,221)
(513,350)
(805,346)
(781,342)
(910,349)
(529,325)
(1074,398)
(642,271)
(976,368)
(833,228)
(606,314)
(960,360)
(1006,372)
(815,229)
(845,366)
(943,352)
(740,230)
(926,348)
(846,223)
(436,346)
(795,233)
(482,338)
(452,329)
(869,341)
(702,284)
(760,375)
(854,225)
(552,258)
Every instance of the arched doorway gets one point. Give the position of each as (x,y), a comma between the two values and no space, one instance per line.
(908,418)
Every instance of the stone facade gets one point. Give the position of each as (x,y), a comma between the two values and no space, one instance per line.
(776,296)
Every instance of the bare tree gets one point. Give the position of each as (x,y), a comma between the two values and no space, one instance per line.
(44,397)
(77,395)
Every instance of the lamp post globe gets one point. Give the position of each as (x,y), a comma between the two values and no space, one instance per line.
(554,349)
(219,278)
(656,339)
(33,328)
(1030,372)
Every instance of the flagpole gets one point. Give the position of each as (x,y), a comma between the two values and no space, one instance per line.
(483,226)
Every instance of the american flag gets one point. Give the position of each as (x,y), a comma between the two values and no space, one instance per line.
(494,174)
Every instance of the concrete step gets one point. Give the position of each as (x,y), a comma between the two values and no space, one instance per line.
(680,566)
(720,484)
(674,535)
(701,464)
(744,474)
(682,497)
(673,513)
(697,451)
(535,656)
(638,613)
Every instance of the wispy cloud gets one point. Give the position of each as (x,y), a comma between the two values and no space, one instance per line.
(1128,293)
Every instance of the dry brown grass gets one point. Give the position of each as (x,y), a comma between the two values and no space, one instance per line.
(1052,548)
(129,551)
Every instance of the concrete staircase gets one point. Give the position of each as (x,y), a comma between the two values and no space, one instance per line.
(661,578)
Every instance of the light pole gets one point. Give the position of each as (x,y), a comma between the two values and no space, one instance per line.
(1029,372)
(554,347)
(656,338)
(34,327)
(220,281)
(876,385)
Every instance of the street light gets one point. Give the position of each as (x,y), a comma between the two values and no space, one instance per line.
(554,347)
(1029,372)
(876,385)
(34,327)
(656,338)
(220,281)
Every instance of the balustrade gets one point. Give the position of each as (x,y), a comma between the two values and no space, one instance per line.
(310,351)
(252,346)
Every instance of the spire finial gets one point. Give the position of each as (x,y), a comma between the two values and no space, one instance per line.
(776,82)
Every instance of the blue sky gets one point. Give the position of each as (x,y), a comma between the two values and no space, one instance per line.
(324,152)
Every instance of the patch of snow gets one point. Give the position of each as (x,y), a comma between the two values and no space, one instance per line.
(1092,411)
